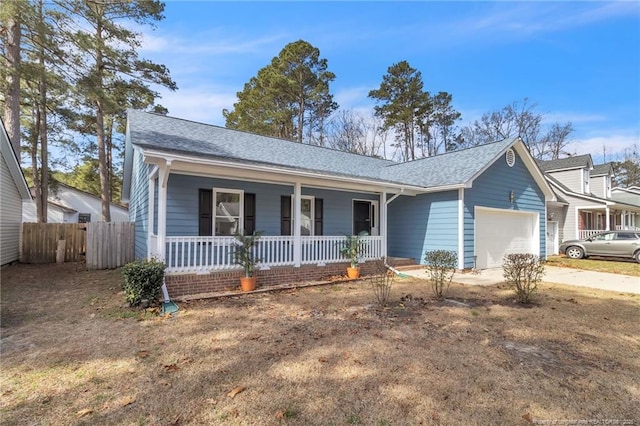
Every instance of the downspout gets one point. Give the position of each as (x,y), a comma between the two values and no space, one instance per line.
(385,221)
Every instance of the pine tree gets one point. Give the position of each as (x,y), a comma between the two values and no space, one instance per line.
(289,98)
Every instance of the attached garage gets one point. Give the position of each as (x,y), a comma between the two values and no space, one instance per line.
(499,232)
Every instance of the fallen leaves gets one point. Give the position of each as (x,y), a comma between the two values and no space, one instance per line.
(84,412)
(235,391)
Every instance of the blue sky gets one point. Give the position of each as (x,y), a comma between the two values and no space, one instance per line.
(579,61)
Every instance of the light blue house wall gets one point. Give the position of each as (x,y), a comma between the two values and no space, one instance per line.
(139,204)
(492,189)
(422,223)
(182,204)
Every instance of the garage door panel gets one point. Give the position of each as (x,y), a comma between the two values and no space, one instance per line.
(502,232)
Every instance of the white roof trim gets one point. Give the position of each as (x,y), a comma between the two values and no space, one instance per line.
(586,197)
(11,159)
(152,155)
(529,163)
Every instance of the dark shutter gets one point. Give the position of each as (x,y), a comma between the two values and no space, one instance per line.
(205,212)
(249,213)
(319,214)
(285,215)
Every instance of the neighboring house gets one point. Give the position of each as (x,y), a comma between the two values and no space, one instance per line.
(190,186)
(585,202)
(13,191)
(71,205)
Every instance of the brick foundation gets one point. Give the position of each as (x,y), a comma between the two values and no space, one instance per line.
(217,282)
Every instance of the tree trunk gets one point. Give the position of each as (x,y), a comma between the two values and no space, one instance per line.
(105,187)
(42,123)
(12,95)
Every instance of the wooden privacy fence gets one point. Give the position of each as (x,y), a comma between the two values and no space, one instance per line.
(110,244)
(104,245)
(40,242)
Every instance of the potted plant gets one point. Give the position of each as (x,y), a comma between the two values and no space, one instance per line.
(244,255)
(352,250)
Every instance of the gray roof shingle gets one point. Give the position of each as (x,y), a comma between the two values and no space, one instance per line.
(565,163)
(601,169)
(174,135)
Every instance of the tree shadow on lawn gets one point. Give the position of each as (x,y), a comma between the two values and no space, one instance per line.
(322,355)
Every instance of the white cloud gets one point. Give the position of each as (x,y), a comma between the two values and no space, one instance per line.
(613,146)
(201,104)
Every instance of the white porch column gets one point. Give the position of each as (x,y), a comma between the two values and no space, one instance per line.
(461,228)
(624,219)
(383,222)
(163,178)
(152,243)
(607,226)
(297,220)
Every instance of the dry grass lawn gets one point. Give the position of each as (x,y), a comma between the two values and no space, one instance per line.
(599,264)
(73,354)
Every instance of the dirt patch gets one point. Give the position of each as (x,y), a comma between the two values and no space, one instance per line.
(72,353)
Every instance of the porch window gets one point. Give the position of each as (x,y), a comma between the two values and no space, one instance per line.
(230,206)
(587,220)
(311,214)
(228,209)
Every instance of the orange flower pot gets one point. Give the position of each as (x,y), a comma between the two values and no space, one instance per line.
(248,283)
(353,273)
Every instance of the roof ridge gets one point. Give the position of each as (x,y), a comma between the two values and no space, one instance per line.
(513,139)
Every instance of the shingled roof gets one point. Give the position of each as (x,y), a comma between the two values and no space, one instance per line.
(601,169)
(574,162)
(174,135)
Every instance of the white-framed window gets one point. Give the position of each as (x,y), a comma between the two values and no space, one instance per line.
(228,211)
(307,215)
(587,220)
(586,176)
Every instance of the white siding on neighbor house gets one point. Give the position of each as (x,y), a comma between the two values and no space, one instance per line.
(78,203)
(11,216)
(572,179)
(570,229)
(598,186)
(54,213)
(559,214)
(85,203)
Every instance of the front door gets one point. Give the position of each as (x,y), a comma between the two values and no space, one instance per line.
(552,238)
(365,217)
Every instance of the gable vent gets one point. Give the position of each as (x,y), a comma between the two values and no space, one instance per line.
(510,156)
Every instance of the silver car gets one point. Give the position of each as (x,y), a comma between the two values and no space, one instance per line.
(612,243)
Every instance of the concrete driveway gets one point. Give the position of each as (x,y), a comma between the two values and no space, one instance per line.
(554,274)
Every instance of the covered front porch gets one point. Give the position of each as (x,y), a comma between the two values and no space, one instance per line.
(613,217)
(195,209)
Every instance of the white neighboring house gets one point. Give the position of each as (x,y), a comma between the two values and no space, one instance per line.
(586,202)
(13,191)
(71,205)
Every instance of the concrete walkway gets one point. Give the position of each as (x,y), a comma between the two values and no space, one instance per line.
(554,274)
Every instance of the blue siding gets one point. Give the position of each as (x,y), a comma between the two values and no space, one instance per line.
(423,223)
(492,188)
(338,206)
(182,204)
(139,204)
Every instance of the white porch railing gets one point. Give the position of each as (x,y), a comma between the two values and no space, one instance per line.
(321,249)
(204,254)
(586,233)
(627,228)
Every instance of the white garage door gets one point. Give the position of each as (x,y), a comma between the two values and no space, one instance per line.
(501,232)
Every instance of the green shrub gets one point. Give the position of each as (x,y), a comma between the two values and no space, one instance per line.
(142,280)
(441,265)
(523,272)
